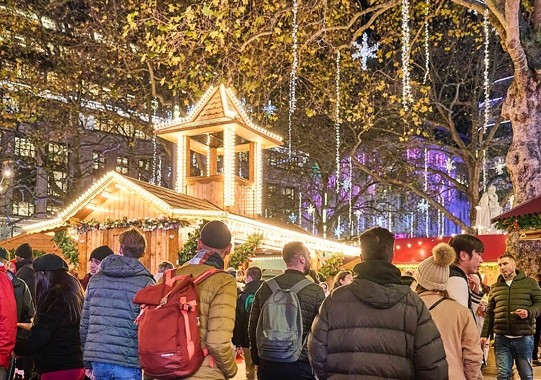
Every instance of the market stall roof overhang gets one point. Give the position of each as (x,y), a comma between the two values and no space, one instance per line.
(529,208)
(174,204)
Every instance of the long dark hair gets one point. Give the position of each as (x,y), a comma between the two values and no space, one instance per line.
(65,284)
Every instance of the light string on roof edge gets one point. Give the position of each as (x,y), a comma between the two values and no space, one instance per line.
(153,181)
(337,121)
(293,78)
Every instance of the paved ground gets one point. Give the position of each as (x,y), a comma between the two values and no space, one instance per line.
(241,374)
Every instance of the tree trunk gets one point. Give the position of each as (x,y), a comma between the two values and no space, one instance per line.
(523,108)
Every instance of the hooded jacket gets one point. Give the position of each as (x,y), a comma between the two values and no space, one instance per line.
(25,271)
(108,331)
(376,328)
(523,293)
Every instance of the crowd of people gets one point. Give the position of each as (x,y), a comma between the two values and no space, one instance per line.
(373,322)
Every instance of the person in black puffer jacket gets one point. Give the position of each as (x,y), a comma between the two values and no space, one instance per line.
(297,258)
(25,271)
(376,328)
(53,340)
(513,303)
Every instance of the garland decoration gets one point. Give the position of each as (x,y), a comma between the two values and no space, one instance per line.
(67,246)
(243,252)
(146,224)
(189,249)
(521,222)
(332,265)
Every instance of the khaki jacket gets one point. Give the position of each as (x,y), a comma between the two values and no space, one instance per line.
(459,334)
(217,302)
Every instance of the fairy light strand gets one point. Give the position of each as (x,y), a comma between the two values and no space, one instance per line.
(350,198)
(427,221)
(426,43)
(407,97)
(337,121)
(486,85)
(293,78)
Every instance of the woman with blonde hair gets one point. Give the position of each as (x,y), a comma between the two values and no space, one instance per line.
(344,277)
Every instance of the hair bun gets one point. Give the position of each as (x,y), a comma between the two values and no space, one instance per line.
(444,255)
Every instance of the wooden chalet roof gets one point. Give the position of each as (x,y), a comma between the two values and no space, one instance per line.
(174,199)
(38,242)
(217,108)
(532,206)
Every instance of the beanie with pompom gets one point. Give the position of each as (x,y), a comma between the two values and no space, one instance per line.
(433,273)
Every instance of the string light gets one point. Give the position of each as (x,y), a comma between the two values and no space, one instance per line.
(229,165)
(181,156)
(350,198)
(486,85)
(337,121)
(311,210)
(407,97)
(293,77)
(208,154)
(300,209)
(259,178)
(427,38)
(358,214)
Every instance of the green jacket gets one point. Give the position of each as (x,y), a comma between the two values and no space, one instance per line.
(524,293)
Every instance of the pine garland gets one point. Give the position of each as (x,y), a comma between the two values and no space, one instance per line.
(67,246)
(521,222)
(146,224)
(332,265)
(243,252)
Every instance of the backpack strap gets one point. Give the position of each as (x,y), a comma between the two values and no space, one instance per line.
(300,285)
(436,303)
(169,279)
(206,274)
(295,288)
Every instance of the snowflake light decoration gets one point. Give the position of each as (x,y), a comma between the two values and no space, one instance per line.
(346,183)
(311,209)
(338,230)
(364,52)
(190,109)
(358,213)
(449,165)
(423,205)
(292,218)
(499,165)
(269,109)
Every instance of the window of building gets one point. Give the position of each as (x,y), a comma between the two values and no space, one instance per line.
(24,148)
(58,154)
(23,208)
(98,163)
(122,165)
(57,181)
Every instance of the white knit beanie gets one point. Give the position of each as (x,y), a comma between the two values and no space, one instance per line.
(433,273)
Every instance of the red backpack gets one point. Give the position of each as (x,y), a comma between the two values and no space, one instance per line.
(168,332)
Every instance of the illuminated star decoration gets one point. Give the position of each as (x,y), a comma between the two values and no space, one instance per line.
(449,165)
(364,52)
(423,205)
(499,166)
(311,209)
(269,109)
(292,218)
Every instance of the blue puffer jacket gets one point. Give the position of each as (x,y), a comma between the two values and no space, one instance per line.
(108,331)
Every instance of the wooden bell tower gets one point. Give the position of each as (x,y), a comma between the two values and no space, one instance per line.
(219,153)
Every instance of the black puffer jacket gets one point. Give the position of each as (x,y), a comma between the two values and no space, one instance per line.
(310,298)
(242,316)
(25,271)
(524,293)
(376,328)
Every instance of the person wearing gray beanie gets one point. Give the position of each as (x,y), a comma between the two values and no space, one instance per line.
(455,322)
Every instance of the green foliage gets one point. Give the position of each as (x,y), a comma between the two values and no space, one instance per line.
(67,246)
(189,249)
(246,250)
(332,265)
(521,222)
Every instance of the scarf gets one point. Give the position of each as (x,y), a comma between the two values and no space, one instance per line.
(204,257)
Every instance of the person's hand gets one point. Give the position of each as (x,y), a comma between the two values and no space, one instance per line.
(25,326)
(89,374)
(484,342)
(522,313)
(474,282)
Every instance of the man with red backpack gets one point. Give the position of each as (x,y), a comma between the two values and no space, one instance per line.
(217,299)
(244,304)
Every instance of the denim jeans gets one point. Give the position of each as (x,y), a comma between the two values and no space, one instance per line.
(519,349)
(107,371)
